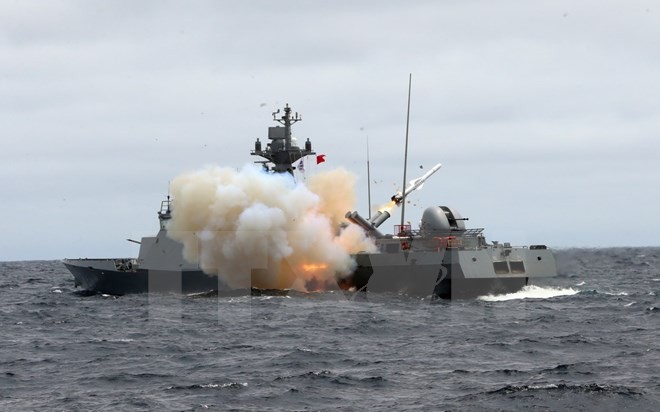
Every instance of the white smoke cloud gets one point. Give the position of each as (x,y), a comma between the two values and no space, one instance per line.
(253,228)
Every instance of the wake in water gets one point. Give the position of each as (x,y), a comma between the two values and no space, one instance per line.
(531,292)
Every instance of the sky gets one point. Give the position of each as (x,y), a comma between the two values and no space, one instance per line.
(545,115)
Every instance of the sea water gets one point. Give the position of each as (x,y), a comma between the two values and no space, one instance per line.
(586,340)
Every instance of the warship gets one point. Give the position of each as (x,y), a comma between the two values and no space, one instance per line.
(440,259)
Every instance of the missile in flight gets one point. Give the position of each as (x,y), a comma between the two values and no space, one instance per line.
(414,184)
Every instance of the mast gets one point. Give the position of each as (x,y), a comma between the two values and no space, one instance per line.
(405,157)
(368,179)
(287,121)
(282,151)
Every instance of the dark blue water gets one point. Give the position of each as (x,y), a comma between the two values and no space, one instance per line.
(588,341)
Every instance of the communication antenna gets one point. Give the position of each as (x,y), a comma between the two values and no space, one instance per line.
(405,157)
(169,183)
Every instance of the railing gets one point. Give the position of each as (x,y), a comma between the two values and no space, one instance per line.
(165,206)
(164,213)
(467,233)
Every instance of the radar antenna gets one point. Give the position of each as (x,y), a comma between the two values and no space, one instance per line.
(283,150)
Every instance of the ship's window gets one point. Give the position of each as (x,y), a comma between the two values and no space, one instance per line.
(501,267)
(517,267)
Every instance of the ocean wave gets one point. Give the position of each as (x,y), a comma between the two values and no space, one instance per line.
(531,292)
(562,387)
(332,377)
(229,385)
(593,292)
(107,340)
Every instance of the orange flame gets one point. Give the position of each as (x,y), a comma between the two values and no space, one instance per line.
(313,267)
(387,207)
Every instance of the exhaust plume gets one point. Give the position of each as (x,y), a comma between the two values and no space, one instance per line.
(255,229)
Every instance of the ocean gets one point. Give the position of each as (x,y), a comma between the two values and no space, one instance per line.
(586,340)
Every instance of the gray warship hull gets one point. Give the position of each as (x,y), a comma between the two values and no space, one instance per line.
(450,273)
(101,276)
(449,264)
(453,285)
(159,267)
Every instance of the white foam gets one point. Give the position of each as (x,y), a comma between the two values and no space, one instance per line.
(629,304)
(224,385)
(546,386)
(193,294)
(531,292)
(615,293)
(581,283)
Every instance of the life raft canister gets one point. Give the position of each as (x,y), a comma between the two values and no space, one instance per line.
(454,241)
(447,242)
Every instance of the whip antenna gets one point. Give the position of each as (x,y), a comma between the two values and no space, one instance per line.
(405,157)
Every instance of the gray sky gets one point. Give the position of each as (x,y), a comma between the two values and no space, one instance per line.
(545,115)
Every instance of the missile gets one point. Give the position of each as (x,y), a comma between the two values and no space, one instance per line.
(414,184)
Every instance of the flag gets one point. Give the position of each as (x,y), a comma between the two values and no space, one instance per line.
(320,158)
(301,166)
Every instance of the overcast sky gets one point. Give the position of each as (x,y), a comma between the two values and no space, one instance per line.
(545,115)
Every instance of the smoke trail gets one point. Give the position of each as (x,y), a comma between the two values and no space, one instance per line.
(263,230)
